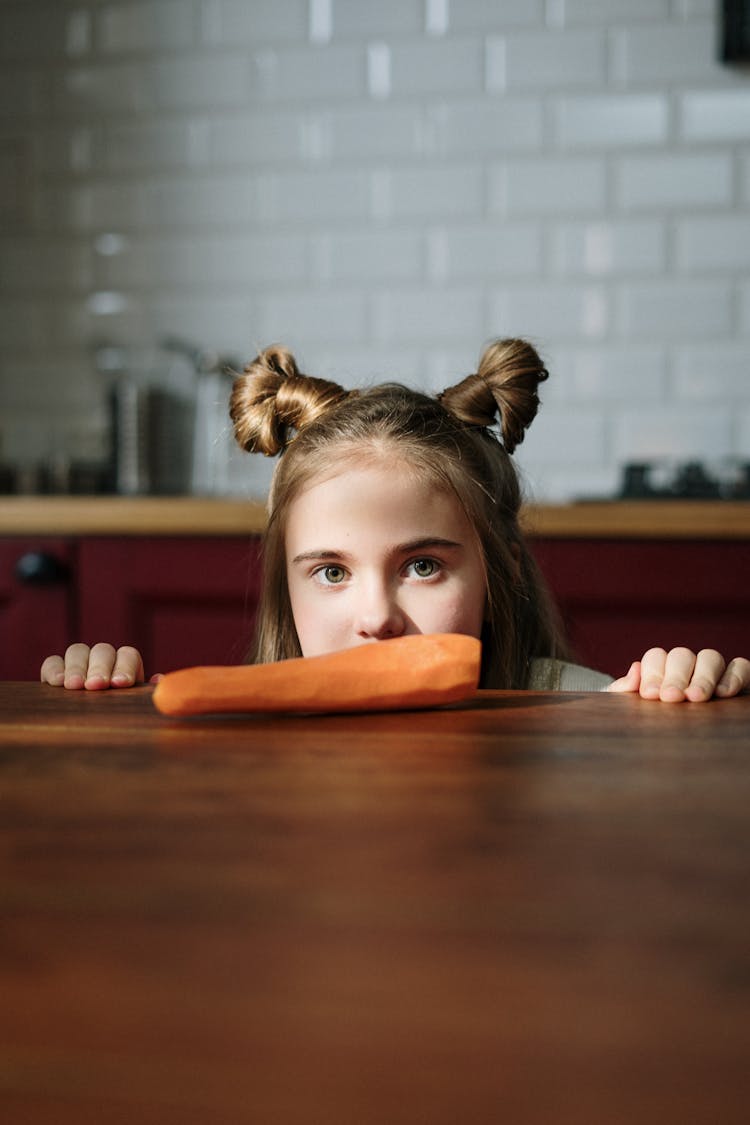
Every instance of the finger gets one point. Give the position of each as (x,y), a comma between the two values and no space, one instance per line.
(76,666)
(678,671)
(736,678)
(653,664)
(631,681)
(709,668)
(101,663)
(53,671)
(128,668)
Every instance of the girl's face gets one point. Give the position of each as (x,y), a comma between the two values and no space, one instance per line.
(373,553)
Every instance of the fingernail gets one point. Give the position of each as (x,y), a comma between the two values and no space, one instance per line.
(732,683)
(672,693)
(122,679)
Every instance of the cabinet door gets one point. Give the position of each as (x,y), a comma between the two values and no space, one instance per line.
(181,601)
(620,598)
(35,603)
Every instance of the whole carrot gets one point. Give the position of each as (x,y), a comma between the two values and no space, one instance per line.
(403,673)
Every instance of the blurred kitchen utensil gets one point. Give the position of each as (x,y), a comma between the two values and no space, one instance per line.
(212,438)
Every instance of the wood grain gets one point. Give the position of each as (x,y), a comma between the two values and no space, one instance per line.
(189,515)
(531,909)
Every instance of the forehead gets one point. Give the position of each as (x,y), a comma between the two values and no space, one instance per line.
(376,466)
(383,498)
(406,462)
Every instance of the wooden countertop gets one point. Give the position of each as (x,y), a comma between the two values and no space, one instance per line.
(121,515)
(113,515)
(531,908)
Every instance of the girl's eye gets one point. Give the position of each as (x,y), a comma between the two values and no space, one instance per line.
(424,568)
(330,575)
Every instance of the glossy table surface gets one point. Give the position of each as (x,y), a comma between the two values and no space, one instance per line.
(532,908)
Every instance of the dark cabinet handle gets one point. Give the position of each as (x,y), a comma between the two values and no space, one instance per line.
(37,568)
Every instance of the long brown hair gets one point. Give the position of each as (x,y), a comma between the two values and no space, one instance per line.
(449,440)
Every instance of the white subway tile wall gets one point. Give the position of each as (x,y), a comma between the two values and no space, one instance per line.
(674,181)
(384,186)
(664,53)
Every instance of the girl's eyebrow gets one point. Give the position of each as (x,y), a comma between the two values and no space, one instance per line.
(315,555)
(425,543)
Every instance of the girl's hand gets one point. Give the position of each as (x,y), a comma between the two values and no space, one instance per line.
(681,675)
(94,668)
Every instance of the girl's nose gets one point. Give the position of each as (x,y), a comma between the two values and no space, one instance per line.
(379,616)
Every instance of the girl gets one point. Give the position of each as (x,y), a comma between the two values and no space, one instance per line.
(394,512)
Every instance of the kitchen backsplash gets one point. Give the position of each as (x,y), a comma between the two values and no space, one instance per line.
(383,186)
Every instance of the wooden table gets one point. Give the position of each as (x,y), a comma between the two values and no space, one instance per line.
(531,909)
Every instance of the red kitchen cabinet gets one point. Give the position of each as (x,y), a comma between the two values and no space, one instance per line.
(180,601)
(36,603)
(620,597)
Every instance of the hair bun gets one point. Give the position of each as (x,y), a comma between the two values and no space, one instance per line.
(272,400)
(504,386)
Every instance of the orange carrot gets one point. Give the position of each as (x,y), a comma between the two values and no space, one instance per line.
(402,673)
